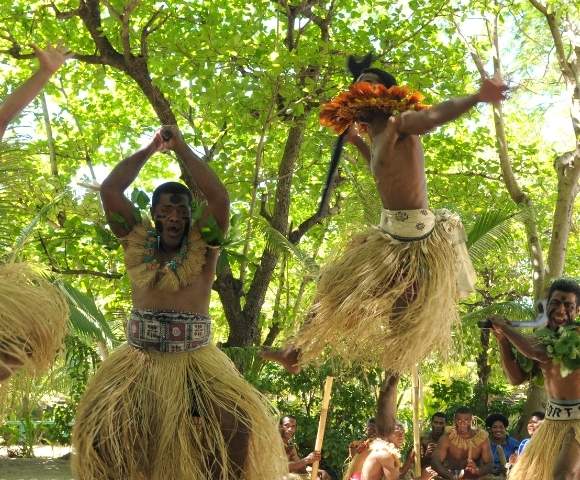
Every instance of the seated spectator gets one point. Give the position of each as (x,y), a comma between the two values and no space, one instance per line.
(533,424)
(297,466)
(502,445)
(368,460)
(356,446)
(463,450)
(429,440)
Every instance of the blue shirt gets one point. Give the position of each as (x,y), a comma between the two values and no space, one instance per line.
(525,441)
(511,446)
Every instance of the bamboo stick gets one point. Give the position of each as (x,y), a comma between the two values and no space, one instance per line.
(416,419)
(322,423)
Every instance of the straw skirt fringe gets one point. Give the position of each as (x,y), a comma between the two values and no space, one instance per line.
(155,416)
(385,301)
(33,317)
(539,458)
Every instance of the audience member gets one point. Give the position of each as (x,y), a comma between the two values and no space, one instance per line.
(356,446)
(429,440)
(463,450)
(297,466)
(534,423)
(502,445)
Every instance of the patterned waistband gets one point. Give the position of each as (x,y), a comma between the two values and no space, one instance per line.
(563,410)
(408,225)
(171,332)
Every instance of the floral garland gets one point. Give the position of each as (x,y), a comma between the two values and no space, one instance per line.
(379,444)
(562,346)
(145,270)
(343,110)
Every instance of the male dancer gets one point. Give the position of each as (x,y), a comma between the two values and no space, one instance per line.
(554,451)
(169,404)
(33,313)
(391,294)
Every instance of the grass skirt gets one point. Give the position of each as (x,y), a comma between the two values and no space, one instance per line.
(539,457)
(385,301)
(33,317)
(156,416)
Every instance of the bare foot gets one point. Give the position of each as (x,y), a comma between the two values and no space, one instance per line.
(288,358)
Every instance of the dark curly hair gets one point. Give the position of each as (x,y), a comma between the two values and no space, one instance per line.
(565,285)
(494,417)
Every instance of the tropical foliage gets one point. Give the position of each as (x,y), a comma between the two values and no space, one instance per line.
(244,81)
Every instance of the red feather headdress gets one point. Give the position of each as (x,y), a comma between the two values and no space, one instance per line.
(342,111)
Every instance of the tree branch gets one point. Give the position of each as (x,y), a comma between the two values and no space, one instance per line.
(54,267)
(91,17)
(81,271)
(63,15)
(317,217)
(150,28)
(554,25)
(511,183)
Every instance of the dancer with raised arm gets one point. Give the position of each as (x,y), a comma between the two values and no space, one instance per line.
(390,296)
(168,404)
(33,312)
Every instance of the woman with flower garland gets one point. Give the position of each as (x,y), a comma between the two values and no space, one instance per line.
(391,294)
(553,453)
(169,404)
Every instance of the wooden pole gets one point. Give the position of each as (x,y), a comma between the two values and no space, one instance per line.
(416,417)
(322,423)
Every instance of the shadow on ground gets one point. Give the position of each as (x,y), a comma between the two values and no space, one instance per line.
(34,469)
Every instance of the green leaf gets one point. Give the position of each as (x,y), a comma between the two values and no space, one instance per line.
(86,320)
(140,199)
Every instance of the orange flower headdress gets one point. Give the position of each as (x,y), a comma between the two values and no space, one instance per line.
(342,111)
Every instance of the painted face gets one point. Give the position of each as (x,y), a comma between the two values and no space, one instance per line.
(463,422)
(288,428)
(172,216)
(533,425)
(498,431)
(437,424)
(562,309)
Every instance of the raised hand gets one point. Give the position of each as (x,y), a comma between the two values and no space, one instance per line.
(492,90)
(51,58)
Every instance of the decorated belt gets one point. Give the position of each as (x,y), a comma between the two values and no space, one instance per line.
(563,410)
(170,332)
(408,225)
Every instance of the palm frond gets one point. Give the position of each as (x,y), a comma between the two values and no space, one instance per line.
(492,230)
(510,310)
(28,229)
(86,320)
(15,186)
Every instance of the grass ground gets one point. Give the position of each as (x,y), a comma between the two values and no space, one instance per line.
(34,469)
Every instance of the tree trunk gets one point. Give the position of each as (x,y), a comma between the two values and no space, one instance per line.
(483,372)
(245,333)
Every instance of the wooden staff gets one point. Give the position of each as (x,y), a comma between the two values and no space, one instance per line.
(322,423)
(416,417)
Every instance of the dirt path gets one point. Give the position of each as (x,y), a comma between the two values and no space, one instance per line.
(34,469)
